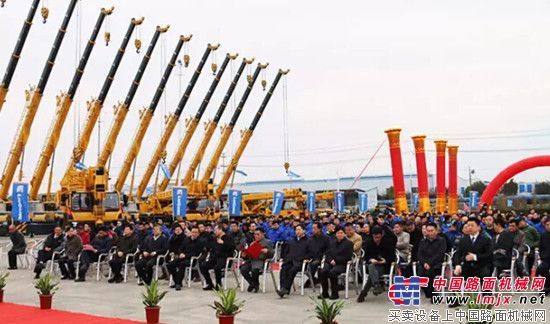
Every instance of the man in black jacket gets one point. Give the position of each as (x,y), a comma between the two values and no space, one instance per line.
(175,248)
(503,243)
(543,269)
(126,245)
(101,244)
(416,236)
(72,247)
(338,255)
(474,252)
(52,243)
(431,254)
(318,246)
(223,248)
(18,246)
(379,254)
(153,247)
(296,252)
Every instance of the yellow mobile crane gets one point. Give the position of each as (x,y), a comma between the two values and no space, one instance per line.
(64,103)
(92,204)
(14,59)
(159,203)
(147,116)
(171,123)
(33,99)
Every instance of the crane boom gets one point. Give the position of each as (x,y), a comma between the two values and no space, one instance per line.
(191,127)
(247,134)
(210,128)
(33,99)
(146,117)
(14,59)
(228,129)
(64,103)
(122,109)
(173,119)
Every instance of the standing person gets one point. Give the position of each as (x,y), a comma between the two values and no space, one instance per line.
(297,251)
(543,269)
(126,245)
(152,248)
(431,254)
(72,247)
(338,255)
(51,244)
(223,248)
(18,246)
(101,244)
(260,250)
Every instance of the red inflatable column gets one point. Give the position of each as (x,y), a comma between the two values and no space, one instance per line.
(453,179)
(397,171)
(440,148)
(421,174)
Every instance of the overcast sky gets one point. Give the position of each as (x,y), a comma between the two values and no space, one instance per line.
(476,72)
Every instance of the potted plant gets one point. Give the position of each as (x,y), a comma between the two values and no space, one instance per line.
(151,300)
(46,287)
(327,311)
(3,278)
(228,306)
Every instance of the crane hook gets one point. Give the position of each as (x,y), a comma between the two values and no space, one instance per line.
(45,12)
(137,44)
(214,68)
(186,60)
(287,166)
(264,84)
(107,37)
(249,78)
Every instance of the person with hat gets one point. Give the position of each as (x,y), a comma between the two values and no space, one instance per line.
(101,244)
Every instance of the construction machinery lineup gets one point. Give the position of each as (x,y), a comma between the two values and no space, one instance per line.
(84,194)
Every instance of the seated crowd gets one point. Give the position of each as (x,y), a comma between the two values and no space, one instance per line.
(488,243)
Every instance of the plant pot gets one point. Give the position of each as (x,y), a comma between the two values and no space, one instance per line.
(152,314)
(45,301)
(226,319)
(1,295)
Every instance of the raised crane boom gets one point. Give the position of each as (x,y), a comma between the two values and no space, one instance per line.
(246,137)
(191,127)
(210,128)
(147,116)
(94,109)
(33,99)
(173,119)
(64,103)
(12,65)
(228,129)
(122,109)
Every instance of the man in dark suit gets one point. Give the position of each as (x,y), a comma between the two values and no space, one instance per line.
(51,244)
(18,246)
(543,269)
(338,255)
(221,249)
(474,252)
(431,254)
(153,247)
(297,250)
(503,243)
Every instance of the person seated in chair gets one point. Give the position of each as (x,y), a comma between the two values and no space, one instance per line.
(221,249)
(193,246)
(126,245)
(18,246)
(175,249)
(51,244)
(72,246)
(503,242)
(543,269)
(318,246)
(100,244)
(339,253)
(296,251)
(255,255)
(431,255)
(355,238)
(153,247)
(379,255)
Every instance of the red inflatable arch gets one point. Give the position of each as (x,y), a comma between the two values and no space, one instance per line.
(509,172)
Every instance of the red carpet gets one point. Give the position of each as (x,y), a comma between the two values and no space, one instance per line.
(12,313)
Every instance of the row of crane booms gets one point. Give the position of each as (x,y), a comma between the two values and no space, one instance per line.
(83,194)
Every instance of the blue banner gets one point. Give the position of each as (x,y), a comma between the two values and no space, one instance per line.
(235,200)
(20,202)
(310,202)
(415,201)
(363,202)
(179,201)
(339,201)
(474,199)
(278,198)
